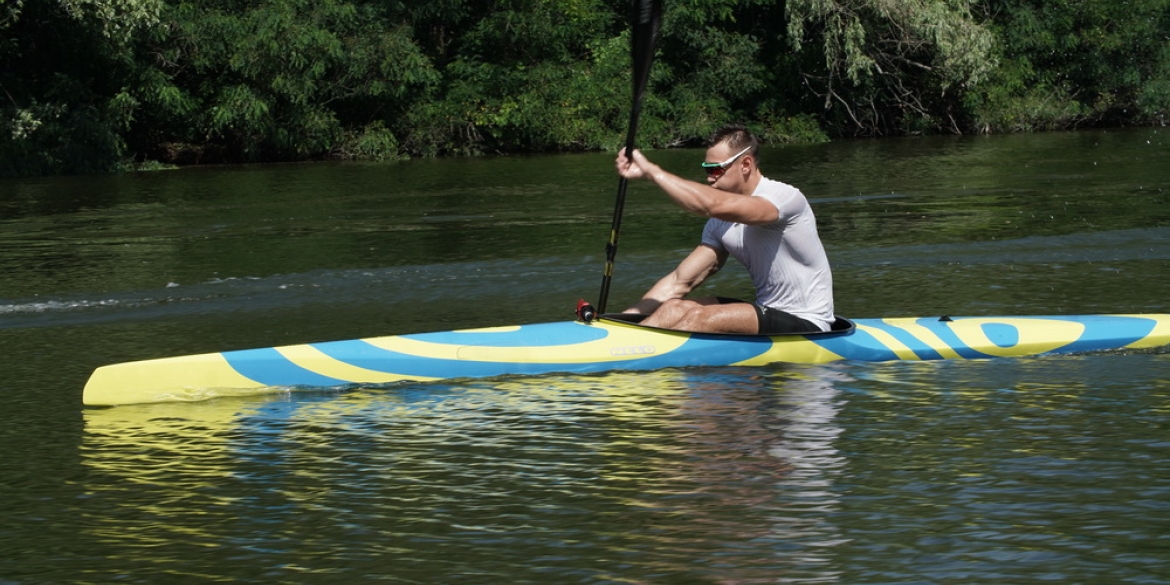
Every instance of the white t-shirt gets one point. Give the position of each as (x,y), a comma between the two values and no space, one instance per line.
(785,259)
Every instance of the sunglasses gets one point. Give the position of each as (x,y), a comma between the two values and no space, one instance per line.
(716,170)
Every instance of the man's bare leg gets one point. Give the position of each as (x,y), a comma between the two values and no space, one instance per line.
(705,315)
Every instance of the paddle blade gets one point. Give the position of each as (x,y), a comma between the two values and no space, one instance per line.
(646,20)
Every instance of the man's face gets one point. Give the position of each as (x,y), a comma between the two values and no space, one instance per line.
(725,167)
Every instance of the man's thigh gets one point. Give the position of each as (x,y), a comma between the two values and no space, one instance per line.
(729,318)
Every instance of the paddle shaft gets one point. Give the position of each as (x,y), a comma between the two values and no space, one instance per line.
(646,16)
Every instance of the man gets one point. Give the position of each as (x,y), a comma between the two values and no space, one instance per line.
(766,225)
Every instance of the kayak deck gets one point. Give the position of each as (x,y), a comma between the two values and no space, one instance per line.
(606,344)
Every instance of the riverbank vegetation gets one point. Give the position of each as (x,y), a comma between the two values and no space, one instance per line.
(94,85)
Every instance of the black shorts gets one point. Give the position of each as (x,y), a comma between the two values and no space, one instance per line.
(775,321)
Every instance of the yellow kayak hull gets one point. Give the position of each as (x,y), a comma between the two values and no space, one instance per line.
(606,344)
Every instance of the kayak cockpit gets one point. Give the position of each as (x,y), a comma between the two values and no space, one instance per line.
(841,325)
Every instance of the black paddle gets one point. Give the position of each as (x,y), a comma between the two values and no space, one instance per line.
(646,16)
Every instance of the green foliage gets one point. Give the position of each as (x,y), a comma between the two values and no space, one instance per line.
(281,79)
(530,75)
(117,19)
(1153,98)
(65,107)
(1072,62)
(373,143)
(1008,103)
(777,127)
(892,65)
(9,11)
(54,139)
(95,85)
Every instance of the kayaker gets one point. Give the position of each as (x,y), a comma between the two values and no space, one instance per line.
(766,225)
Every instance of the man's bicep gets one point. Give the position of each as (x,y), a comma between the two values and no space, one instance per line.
(747,210)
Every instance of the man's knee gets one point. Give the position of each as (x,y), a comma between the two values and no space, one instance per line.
(698,317)
(670,313)
(676,307)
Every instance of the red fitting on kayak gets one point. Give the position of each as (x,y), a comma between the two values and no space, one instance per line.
(585,311)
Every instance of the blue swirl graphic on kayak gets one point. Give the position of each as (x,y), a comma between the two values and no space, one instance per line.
(269,367)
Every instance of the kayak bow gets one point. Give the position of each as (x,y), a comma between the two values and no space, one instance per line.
(608,343)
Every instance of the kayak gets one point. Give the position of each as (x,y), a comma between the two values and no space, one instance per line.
(608,343)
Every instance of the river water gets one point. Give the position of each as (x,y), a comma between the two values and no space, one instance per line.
(1048,469)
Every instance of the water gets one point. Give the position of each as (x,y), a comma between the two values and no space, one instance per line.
(1024,470)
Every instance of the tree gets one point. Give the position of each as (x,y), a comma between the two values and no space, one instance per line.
(117,19)
(64,70)
(9,11)
(1073,62)
(88,84)
(280,79)
(521,75)
(891,65)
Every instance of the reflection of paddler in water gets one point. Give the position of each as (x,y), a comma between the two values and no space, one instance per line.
(772,427)
(749,464)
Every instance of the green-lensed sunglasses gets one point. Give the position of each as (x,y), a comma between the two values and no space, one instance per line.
(716,170)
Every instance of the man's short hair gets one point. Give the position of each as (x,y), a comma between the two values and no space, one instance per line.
(738,137)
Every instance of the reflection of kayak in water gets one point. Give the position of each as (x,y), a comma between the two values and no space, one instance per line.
(606,344)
